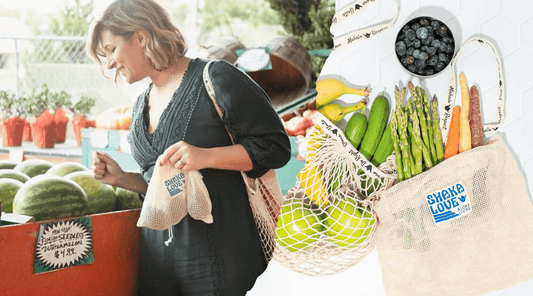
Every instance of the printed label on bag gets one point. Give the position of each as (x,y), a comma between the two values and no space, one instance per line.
(175,184)
(449,203)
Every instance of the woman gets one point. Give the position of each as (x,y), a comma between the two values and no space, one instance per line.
(175,118)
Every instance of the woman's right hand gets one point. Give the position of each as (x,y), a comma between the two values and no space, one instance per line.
(105,169)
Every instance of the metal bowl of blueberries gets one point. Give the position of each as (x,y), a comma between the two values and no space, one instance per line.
(424,46)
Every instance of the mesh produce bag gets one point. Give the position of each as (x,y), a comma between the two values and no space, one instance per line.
(461,228)
(464,227)
(264,193)
(327,222)
(171,195)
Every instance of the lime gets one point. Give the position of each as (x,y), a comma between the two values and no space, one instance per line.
(347,224)
(298,226)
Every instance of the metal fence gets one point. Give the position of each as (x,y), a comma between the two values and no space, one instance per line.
(62,64)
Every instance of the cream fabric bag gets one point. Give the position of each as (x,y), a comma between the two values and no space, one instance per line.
(464,227)
(171,195)
(423,250)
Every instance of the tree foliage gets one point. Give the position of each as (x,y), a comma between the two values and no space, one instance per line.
(308,21)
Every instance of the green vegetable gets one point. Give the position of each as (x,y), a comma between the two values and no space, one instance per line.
(396,143)
(377,121)
(355,129)
(436,131)
(402,131)
(427,111)
(385,147)
(50,197)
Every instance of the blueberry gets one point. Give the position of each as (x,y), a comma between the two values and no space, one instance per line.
(410,50)
(410,34)
(415,26)
(401,36)
(433,60)
(431,31)
(439,66)
(431,51)
(443,30)
(443,58)
(408,43)
(429,71)
(424,48)
(435,43)
(408,60)
(412,68)
(447,39)
(400,48)
(416,43)
(443,47)
(449,48)
(423,56)
(422,33)
(405,28)
(416,53)
(435,24)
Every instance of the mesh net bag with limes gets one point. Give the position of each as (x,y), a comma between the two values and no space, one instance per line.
(327,223)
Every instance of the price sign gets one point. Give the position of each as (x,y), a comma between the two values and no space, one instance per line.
(64,244)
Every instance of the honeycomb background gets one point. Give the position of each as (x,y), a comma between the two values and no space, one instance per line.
(372,63)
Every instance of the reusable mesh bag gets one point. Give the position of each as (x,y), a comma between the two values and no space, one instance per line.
(327,222)
(264,193)
(424,249)
(171,195)
(464,226)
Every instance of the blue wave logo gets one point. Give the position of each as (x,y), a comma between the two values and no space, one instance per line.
(449,203)
(175,184)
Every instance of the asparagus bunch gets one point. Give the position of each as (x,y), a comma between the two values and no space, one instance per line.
(415,132)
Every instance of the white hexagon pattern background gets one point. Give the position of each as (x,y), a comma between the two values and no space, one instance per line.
(372,63)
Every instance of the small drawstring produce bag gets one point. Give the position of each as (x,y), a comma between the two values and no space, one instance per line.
(171,195)
(463,227)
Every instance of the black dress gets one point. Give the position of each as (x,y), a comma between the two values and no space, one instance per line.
(223,258)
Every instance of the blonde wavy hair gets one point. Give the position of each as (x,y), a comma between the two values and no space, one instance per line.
(164,43)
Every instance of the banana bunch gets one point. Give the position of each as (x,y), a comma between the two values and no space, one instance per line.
(330,89)
(310,179)
(336,112)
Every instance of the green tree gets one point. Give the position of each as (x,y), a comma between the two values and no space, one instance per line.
(308,21)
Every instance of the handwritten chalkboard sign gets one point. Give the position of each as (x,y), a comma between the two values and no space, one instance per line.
(64,244)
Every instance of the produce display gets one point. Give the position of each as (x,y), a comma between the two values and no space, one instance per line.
(53,191)
(115,118)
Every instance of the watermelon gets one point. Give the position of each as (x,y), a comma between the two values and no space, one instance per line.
(101,197)
(65,168)
(127,199)
(8,190)
(12,174)
(50,197)
(34,167)
(7,164)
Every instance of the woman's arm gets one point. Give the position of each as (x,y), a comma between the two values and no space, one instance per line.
(106,170)
(187,157)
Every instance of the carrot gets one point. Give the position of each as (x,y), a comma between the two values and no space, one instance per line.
(452,143)
(476,125)
(465,138)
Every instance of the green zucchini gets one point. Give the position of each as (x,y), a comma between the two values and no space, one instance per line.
(377,120)
(355,129)
(385,147)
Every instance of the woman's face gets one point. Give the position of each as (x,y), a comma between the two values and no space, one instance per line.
(126,56)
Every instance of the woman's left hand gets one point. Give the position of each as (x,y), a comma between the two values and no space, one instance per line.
(185,157)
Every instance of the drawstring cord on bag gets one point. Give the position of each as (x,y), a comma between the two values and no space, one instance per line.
(171,235)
